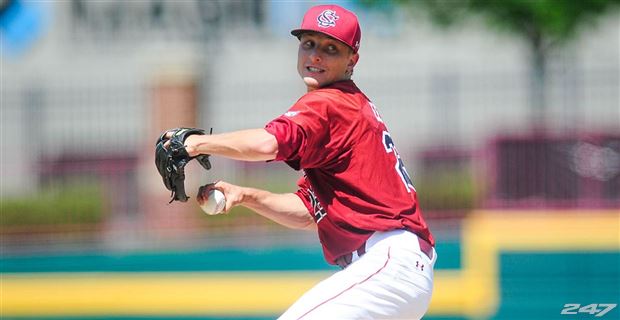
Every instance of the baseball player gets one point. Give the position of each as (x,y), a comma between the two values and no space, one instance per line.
(355,190)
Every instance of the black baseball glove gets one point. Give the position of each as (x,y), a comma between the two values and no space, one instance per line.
(171,160)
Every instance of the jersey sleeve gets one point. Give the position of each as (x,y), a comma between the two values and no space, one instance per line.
(290,139)
(303,135)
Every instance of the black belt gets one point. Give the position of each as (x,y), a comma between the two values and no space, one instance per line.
(345,260)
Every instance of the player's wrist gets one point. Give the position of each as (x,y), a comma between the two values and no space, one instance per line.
(253,198)
(192,145)
(247,196)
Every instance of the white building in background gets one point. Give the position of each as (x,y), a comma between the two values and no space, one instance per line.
(83,86)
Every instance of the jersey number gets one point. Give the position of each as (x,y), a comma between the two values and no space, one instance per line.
(388,143)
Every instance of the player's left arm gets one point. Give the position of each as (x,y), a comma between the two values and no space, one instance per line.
(247,145)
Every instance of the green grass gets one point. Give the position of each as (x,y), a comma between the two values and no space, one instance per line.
(448,190)
(74,204)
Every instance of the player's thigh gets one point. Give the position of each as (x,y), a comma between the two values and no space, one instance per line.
(401,290)
(374,287)
(330,297)
(413,283)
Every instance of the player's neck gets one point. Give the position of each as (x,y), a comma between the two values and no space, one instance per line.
(312,86)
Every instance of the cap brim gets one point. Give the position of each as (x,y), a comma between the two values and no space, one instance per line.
(297,33)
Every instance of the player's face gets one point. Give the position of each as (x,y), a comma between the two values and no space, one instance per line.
(322,60)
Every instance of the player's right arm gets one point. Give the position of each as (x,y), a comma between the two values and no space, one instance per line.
(286,209)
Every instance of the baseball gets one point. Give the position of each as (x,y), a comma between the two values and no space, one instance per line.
(214,203)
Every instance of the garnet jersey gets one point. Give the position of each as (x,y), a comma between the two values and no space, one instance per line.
(355,181)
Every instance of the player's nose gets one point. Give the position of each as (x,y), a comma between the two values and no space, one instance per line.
(315,56)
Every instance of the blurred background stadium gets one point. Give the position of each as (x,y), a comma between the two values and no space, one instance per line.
(507,114)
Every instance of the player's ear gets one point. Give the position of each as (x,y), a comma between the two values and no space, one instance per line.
(353,60)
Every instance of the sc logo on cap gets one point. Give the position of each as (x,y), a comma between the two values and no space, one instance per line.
(327,19)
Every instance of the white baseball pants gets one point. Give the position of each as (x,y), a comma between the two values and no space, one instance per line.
(392,280)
